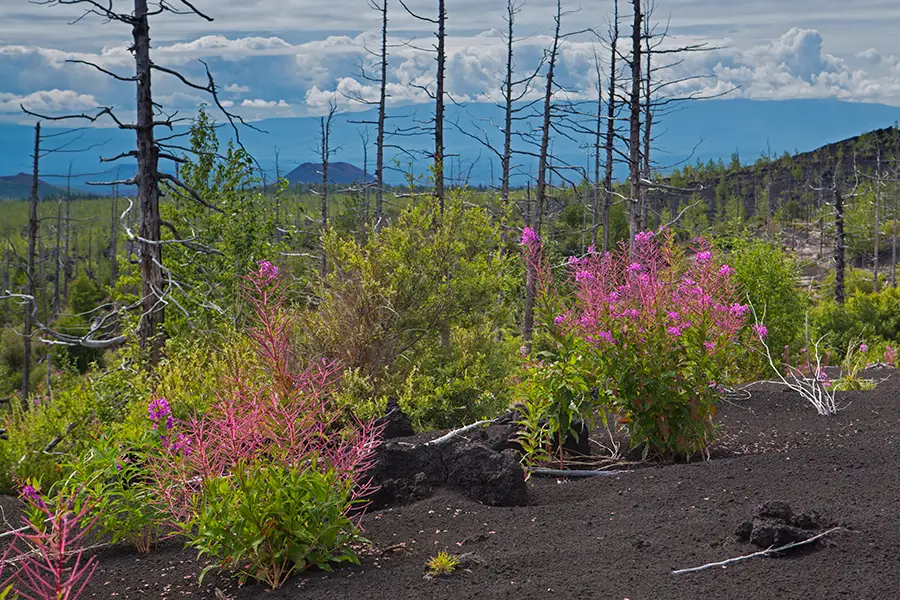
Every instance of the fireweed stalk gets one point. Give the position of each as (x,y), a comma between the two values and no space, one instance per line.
(278,421)
(47,557)
(659,332)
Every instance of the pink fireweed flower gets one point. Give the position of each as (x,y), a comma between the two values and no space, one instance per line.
(704,256)
(559,319)
(31,494)
(267,270)
(710,346)
(673,315)
(584,275)
(890,355)
(761,330)
(158,410)
(182,444)
(635,267)
(674,331)
(591,249)
(738,310)
(863,348)
(529,237)
(644,237)
(726,271)
(606,336)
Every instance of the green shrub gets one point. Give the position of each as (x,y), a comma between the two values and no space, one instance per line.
(767,276)
(873,318)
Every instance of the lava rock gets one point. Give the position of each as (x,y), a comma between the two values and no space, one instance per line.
(490,477)
(768,533)
(395,422)
(808,520)
(744,531)
(776,510)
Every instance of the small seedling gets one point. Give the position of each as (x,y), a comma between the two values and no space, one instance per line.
(443,563)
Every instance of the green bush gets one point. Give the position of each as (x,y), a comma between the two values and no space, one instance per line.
(767,276)
(414,312)
(873,318)
(270,522)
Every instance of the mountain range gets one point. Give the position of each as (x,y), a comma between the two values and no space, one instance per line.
(698,130)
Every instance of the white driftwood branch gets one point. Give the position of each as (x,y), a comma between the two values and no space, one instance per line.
(574,472)
(765,552)
(457,432)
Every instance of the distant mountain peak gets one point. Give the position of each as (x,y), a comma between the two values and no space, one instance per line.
(338,172)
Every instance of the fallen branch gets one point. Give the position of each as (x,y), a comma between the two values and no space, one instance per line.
(457,432)
(573,472)
(766,552)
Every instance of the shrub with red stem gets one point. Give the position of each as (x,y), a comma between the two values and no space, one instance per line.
(47,555)
(278,417)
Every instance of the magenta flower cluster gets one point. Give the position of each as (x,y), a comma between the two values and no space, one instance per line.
(267,271)
(890,356)
(158,410)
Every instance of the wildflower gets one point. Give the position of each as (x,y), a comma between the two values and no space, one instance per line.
(710,346)
(267,270)
(890,355)
(760,330)
(635,267)
(592,249)
(31,493)
(673,315)
(607,336)
(529,237)
(726,271)
(559,319)
(643,237)
(159,409)
(583,275)
(182,444)
(738,310)
(704,256)
(674,331)
(863,348)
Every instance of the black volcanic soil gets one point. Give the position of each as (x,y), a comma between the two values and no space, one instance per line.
(620,537)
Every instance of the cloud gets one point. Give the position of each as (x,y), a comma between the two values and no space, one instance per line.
(234,88)
(49,102)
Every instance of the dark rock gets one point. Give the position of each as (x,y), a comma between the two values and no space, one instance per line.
(744,530)
(395,422)
(776,510)
(405,473)
(769,533)
(494,478)
(808,520)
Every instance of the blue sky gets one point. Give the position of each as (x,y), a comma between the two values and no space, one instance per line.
(280,58)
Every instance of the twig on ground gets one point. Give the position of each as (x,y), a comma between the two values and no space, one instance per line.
(765,552)
(457,432)
(573,473)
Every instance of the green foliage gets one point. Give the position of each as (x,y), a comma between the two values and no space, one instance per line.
(85,295)
(225,241)
(442,563)
(79,357)
(768,277)
(268,523)
(414,311)
(873,317)
(112,473)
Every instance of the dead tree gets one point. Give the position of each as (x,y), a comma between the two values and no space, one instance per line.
(149,149)
(325,154)
(611,112)
(381,120)
(438,95)
(634,138)
(30,304)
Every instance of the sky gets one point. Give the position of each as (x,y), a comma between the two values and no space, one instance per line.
(285,58)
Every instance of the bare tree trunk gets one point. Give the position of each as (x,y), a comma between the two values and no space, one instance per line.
(877,218)
(67,267)
(58,256)
(598,144)
(634,159)
(610,123)
(439,107)
(364,197)
(382,104)
(114,238)
(543,158)
(30,304)
(530,282)
(648,124)
(506,158)
(150,255)
(838,246)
